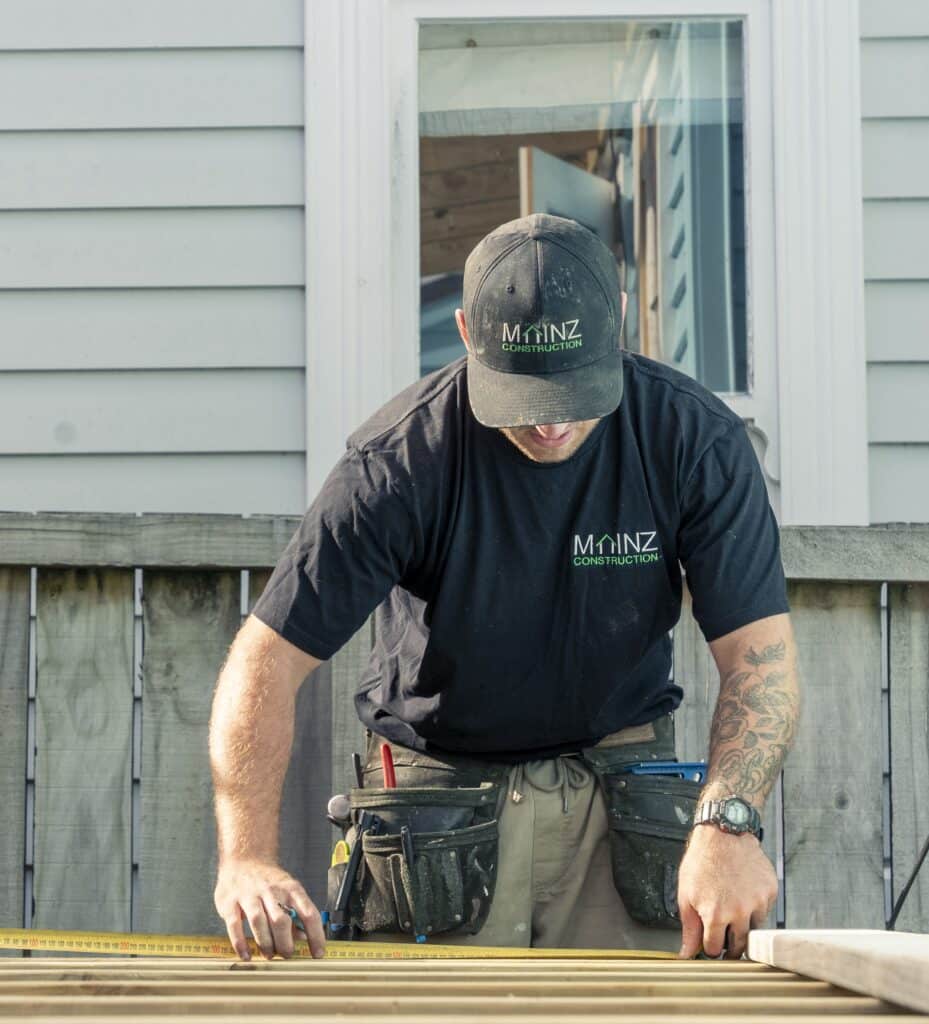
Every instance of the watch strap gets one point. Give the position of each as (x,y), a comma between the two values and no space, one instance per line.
(712,812)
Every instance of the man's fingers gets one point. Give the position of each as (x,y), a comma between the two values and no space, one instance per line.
(237,934)
(714,935)
(736,938)
(281,924)
(312,922)
(691,932)
(258,922)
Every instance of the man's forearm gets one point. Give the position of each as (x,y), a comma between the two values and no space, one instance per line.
(251,731)
(756,715)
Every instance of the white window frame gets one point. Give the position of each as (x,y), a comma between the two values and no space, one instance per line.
(805,275)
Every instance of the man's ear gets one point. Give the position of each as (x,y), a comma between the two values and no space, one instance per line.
(462,328)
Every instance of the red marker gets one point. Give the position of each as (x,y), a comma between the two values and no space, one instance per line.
(387,763)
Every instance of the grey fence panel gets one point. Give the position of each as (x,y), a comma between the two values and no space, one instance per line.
(833,777)
(909,744)
(190,618)
(83,749)
(14,667)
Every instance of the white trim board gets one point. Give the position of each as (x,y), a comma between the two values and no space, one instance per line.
(887,965)
(803,194)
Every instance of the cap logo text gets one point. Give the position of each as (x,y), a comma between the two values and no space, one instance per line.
(542,337)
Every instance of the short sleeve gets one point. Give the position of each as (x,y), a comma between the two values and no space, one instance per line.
(728,539)
(352,547)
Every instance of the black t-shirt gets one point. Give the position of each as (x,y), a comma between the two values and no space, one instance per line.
(526,606)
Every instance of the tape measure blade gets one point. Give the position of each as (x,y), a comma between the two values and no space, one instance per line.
(217,946)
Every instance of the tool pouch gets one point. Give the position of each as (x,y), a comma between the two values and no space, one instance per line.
(450,883)
(650,818)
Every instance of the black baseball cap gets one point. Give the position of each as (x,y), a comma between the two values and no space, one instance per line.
(543,311)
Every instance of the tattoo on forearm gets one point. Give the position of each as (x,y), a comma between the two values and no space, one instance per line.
(754,724)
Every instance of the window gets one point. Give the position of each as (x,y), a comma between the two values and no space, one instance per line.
(635,129)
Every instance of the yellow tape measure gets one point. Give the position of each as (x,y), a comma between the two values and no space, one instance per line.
(137,944)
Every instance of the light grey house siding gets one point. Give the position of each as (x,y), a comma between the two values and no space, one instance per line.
(895,151)
(151,256)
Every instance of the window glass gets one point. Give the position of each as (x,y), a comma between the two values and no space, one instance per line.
(633,128)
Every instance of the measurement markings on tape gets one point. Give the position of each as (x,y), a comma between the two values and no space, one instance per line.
(137,944)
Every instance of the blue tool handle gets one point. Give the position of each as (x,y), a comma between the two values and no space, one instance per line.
(694,770)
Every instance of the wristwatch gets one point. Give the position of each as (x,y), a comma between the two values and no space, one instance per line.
(731,815)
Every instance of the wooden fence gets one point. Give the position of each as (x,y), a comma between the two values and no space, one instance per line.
(113,629)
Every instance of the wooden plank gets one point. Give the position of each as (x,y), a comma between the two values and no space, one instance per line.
(304,831)
(156,411)
(888,465)
(225,167)
(83,749)
(894,314)
(118,24)
(833,777)
(456,153)
(539,1017)
(878,553)
(189,621)
(891,18)
(169,485)
(695,672)
(390,988)
(894,78)
(892,152)
(151,89)
(151,329)
(909,746)
(437,1006)
(896,397)
(887,965)
(14,667)
(894,234)
(151,248)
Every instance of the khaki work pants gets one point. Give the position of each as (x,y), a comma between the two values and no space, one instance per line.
(554,877)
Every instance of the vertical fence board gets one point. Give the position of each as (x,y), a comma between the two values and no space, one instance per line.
(832,782)
(83,745)
(190,619)
(695,672)
(14,667)
(304,831)
(909,744)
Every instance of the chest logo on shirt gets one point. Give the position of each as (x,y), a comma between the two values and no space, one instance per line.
(541,337)
(614,550)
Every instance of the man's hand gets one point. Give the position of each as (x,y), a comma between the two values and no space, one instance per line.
(725,881)
(255,890)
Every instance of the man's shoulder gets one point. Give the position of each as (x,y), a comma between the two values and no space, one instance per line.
(651,381)
(665,398)
(425,410)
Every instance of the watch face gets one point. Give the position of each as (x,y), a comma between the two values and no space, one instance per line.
(737,811)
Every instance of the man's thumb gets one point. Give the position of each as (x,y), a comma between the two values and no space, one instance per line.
(691,932)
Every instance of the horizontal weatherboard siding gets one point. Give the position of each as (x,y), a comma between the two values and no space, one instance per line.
(142,24)
(904,176)
(897,401)
(151,89)
(152,239)
(898,475)
(895,188)
(176,168)
(897,315)
(243,482)
(152,328)
(152,248)
(151,411)
(895,77)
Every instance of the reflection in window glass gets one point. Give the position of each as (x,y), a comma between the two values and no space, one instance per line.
(632,128)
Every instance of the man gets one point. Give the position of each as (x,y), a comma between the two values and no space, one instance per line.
(523,515)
